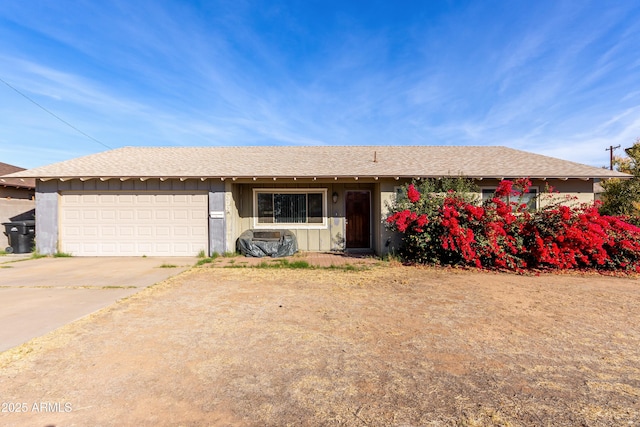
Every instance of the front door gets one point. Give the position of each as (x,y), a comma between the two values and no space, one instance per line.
(358,216)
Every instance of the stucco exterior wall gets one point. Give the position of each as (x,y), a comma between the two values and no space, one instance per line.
(16,204)
(17,210)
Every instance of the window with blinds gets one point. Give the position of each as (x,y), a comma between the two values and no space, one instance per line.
(286,207)
(530,198)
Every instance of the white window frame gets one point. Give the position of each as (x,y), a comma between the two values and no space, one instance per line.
(514,199)
(293,225)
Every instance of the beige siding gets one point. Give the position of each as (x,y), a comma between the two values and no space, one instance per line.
(308,239)
(303,239)
(387,197)
(233,204)
(581,190)
(130,184)
(328,238)
(570,191)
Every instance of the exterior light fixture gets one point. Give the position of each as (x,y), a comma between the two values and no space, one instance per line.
(334,197)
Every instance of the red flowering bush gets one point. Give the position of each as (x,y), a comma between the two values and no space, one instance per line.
(580,237)
(413,215)
(406,219)
(452,227)
(413,194)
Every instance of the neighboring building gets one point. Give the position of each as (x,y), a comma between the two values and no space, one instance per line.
(136,201)
(16,196)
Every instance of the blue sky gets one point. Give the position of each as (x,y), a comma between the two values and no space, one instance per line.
(560,78)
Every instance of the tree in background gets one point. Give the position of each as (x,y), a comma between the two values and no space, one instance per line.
(622,196)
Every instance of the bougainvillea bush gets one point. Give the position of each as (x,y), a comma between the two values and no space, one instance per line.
(444,222)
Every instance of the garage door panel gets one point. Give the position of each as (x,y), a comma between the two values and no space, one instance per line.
(198,215)
(182,198)
(107,231)
(103,199)
(89,214)
(163,248)
(133,224)
(126,199)
(199,231)
(145,247)
(180,214)
(91,248)
(73,199)
(163,231)
(125,231)
(73,248)
(107,214)
(180,231)
(90,231)
(144,214)
(162,214)
(181,247)
(126,247)
(104,247)
(71,214)
(73,231)
(126,214)
(144,231)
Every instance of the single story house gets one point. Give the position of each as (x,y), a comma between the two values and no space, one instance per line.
(136,201)
(17,195)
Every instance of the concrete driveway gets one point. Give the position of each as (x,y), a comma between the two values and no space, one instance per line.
(40,295)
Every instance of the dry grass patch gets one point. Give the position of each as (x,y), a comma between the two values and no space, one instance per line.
(385,346)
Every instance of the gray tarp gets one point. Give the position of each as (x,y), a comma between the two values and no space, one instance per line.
(272,243)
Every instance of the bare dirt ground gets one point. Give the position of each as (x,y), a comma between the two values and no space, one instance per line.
(388,346)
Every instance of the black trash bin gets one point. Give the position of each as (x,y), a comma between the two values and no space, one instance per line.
(21,235)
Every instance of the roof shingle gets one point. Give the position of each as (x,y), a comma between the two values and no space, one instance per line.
(318,161)
(6,169)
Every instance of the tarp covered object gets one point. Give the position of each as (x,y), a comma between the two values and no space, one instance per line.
(272,243)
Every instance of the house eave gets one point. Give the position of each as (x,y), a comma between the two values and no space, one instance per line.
(6,184)
(318,177)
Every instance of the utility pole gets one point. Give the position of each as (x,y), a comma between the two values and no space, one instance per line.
(610,149)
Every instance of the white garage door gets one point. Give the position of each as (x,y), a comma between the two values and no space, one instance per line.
(133,224)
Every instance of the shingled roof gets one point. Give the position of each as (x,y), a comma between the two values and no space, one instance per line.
(318,162)
(6,168)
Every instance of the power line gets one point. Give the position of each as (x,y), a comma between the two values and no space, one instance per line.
(54,115)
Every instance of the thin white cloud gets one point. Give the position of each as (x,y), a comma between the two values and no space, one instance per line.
(538,77)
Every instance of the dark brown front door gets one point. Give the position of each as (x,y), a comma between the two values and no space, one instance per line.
(358,215)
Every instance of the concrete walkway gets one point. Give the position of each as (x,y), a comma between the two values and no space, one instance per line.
(40,295)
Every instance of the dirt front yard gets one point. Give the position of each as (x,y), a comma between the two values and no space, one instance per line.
(389,346)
